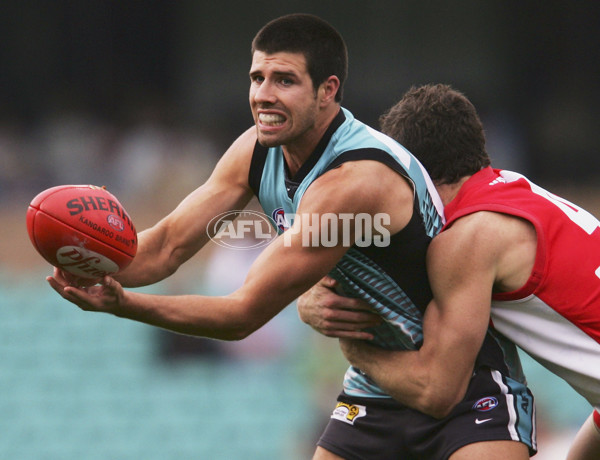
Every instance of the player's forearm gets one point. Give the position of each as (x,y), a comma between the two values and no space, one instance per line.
(407,377)
(219,318)
(153,262)
(142,274)
(163,248)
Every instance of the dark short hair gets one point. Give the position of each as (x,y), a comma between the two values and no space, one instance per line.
(322,46)
(440,126)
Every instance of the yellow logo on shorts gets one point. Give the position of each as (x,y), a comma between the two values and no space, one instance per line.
(347,413)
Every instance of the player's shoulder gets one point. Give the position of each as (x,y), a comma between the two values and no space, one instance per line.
(497,224)
(362,187)
(241,150)
(364,178)
(482,220)
(481,230)
(234,165)
(245,142)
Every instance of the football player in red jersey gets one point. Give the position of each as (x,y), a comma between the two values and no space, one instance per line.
(533,253)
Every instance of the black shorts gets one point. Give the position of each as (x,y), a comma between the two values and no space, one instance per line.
(495,408)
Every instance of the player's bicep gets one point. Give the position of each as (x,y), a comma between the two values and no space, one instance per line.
(350,193)
(226,189)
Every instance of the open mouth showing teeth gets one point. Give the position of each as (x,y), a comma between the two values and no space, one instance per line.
(271,119)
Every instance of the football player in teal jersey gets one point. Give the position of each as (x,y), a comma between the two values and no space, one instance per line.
(307,156)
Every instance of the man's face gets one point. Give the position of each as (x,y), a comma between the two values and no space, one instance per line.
(282,98)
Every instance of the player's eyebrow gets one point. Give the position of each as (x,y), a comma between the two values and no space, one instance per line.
(277,73)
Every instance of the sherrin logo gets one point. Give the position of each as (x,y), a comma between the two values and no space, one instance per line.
(486,404)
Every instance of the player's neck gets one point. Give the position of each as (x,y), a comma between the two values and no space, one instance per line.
(448,192)
(301,149)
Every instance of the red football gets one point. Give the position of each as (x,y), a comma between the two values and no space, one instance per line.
(82,229)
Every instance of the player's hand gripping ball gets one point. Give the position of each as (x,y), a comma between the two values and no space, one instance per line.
(82,229)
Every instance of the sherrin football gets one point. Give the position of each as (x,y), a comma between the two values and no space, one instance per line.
(82,229)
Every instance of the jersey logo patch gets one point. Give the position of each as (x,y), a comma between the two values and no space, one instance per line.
(479,422)
(498,180)
(348,413)
(280,220)
(486,404)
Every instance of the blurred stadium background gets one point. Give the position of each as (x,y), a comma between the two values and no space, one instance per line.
(143,97)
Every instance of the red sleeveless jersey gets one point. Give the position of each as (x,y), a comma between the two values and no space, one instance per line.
(555,316)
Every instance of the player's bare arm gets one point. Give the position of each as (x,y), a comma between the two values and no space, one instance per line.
(181,234)
(464,263)
(455,323)
(283,270)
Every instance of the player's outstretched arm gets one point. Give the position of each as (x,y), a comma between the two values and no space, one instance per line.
(285,269)
(181,234)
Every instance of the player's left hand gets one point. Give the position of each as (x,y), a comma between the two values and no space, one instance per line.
(107,296)
(334,315)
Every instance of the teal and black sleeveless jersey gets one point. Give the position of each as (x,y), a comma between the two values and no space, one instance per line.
(392,279)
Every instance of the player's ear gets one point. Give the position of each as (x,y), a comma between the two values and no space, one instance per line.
(328,90)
